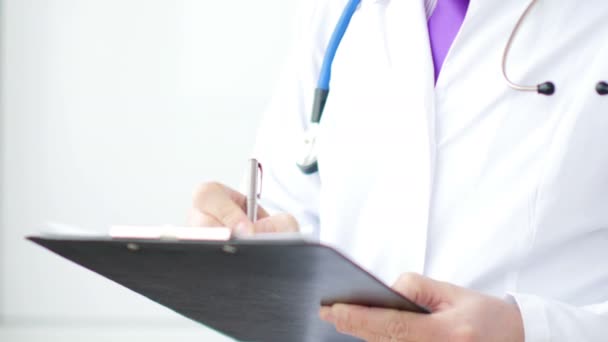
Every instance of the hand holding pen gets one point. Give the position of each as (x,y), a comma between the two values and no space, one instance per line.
(217,205)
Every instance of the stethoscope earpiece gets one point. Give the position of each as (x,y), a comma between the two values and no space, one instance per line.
(602,88)
(547,88)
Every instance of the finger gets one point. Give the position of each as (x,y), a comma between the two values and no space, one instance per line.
(280,223)
(241,201)
(325,314)
(198,219)
(223,204)
(392,324)
(431,294)
(262,213)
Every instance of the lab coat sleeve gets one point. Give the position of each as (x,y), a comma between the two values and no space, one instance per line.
(549,320)
(285,188)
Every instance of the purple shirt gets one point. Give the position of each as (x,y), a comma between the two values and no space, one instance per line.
(444,24)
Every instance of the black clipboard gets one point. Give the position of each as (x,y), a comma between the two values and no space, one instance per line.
(248,290)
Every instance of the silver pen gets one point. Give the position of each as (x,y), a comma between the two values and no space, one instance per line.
(254,188)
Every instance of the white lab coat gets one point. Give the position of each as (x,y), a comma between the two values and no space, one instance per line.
(468,182)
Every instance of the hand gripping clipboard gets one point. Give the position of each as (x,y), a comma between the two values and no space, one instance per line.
(250,290)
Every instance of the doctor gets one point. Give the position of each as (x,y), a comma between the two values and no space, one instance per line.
(481,199)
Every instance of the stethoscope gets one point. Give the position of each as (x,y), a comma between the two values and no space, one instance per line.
(308,162)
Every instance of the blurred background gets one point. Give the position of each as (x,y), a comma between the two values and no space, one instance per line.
(111,112)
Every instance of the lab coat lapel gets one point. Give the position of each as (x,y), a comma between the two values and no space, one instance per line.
(382,86)
(411,96)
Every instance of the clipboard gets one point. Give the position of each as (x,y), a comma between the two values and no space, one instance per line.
(250,290)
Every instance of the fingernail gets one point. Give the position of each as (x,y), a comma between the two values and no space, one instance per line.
(325,314)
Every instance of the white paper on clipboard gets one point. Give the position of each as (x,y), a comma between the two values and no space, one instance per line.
(196,234)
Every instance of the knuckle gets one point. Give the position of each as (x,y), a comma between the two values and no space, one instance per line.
(344,323)
(231,217)
(397,328)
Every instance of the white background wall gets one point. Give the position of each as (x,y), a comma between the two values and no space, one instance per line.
(112,111)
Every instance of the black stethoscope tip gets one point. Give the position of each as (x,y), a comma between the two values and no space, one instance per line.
(602,88)
(547,88)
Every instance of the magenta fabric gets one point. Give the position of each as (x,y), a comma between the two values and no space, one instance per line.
(444,24)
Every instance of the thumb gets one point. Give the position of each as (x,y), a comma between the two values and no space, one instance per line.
(280,223)
(431,294)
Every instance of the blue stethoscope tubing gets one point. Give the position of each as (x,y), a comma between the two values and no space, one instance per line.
(334,43)
(308,163)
